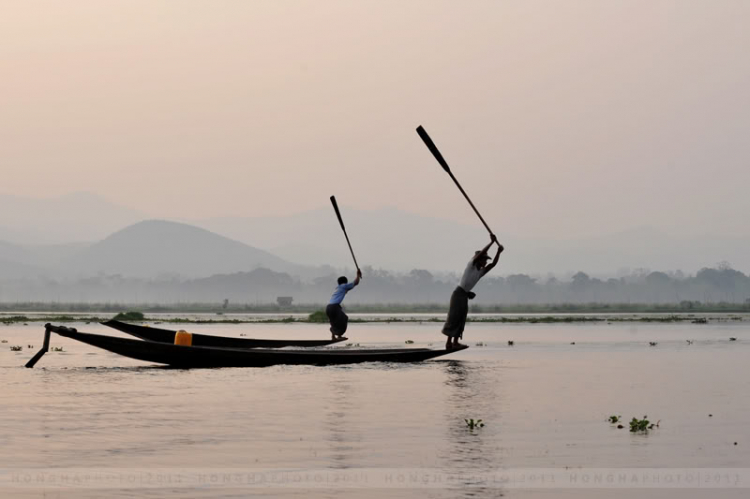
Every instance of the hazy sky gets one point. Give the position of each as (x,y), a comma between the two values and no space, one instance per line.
(560,118)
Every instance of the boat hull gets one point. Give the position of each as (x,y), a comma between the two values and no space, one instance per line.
(203,340)
(196,356)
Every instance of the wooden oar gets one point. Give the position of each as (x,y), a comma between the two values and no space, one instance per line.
(341,221)
(45,348)
(439,157)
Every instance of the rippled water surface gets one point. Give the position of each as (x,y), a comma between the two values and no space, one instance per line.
(544,401)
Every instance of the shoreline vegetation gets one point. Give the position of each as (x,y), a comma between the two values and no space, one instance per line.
(696,312)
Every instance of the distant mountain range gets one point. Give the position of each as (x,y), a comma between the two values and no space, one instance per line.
(154,247)
(82,234)
(396,240)
(148,249)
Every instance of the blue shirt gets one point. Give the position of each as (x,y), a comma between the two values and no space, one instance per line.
(341,290)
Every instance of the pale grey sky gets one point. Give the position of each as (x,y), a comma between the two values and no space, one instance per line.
(559,118)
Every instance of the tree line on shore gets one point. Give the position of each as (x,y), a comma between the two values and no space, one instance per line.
(720,284)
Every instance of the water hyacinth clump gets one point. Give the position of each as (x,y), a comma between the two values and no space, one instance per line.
(642,425)
(131,315)
(318,316)
(472,423)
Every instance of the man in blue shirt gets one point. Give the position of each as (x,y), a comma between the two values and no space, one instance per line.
(339,320)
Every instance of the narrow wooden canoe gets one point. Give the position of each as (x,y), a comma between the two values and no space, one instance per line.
(203,340)
(197,356)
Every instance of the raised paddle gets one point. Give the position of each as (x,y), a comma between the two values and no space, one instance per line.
(341,221)
(439,157)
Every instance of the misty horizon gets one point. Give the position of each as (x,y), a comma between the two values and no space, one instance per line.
(596,137)
(389,238)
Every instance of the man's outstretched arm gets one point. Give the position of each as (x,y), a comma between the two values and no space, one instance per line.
(500,249)
(485,249)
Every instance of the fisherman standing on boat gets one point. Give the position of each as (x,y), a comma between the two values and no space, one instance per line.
(339,320)
(459,307)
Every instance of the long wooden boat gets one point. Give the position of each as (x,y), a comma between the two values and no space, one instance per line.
(203,340)
(197,356)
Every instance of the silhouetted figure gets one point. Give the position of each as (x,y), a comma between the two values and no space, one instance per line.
(338,319)
(459,307)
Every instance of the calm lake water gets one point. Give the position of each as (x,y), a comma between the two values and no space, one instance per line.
(86,423)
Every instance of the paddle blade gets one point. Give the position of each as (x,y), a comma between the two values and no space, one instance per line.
(338,213)
(433,148)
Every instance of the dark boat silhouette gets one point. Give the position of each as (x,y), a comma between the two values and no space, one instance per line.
(202,356)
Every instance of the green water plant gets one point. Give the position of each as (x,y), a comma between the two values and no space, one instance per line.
(642,425)
(131,315)
(472,423)
(318,316)
(614,419)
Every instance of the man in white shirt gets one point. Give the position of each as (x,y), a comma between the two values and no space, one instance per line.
(459,307)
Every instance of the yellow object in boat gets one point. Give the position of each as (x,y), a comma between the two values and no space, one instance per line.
(184,338)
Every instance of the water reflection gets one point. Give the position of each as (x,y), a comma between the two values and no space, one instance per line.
(339,422)
(471,457)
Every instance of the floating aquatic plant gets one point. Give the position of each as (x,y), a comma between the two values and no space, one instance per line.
(16,348)
(652,343)
(131,315)
(642,425)
(57,349)
(472,423)
(480,344)
(409,342)
(318,316)
(614,419)
(732,339)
